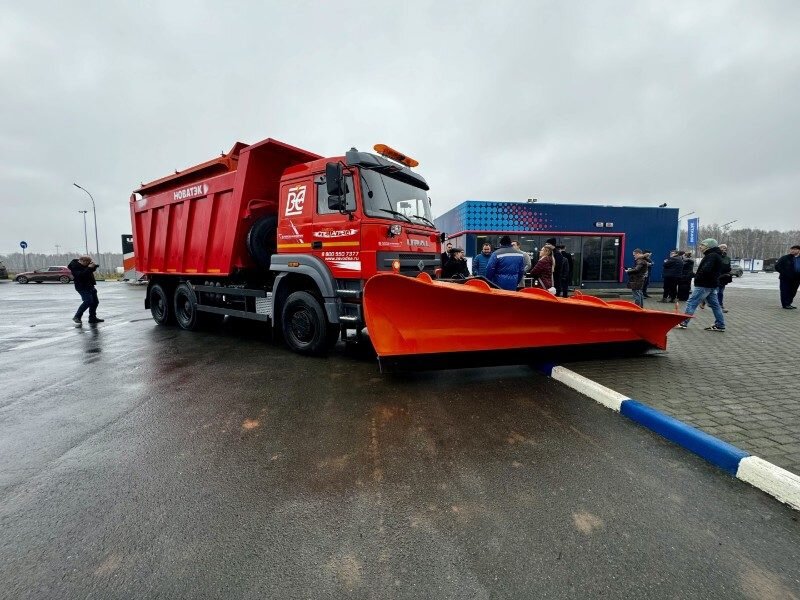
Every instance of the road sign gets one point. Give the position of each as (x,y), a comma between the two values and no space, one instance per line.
(23,245)
(694,227)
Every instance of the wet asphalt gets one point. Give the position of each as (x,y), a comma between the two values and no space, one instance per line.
(138,461)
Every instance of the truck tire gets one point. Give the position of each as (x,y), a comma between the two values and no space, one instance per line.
(161,305)
(262,240)
(185,307)
(304,326)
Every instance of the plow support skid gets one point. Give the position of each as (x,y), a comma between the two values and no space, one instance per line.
(411,317)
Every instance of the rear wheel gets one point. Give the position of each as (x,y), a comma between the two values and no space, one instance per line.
(64,279)
(185,305)
(161,305)
(22,279)
(305,328)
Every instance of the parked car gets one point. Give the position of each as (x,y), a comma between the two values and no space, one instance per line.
(736,271)
(60,274)
(3,271)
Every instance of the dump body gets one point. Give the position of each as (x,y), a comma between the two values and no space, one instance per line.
(195,222)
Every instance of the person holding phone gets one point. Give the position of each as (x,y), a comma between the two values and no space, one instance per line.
(83,269)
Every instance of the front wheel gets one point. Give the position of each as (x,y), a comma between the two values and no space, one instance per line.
(305,328)
(64,279)
(161,305)
(22,279)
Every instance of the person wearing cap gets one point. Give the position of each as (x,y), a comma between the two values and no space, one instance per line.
(788,266)
(83,269)
(673,269)
(456,265)
(706,283)
(636,275)
(506,267)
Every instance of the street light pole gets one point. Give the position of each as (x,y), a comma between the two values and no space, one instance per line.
(678,241)
(85,237)
(94,212)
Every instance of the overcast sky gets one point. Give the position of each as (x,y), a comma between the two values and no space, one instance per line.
(623,103)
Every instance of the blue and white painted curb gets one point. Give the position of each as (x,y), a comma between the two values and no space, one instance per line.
(780,483)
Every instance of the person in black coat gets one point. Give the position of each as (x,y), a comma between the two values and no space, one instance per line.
(685,284)
(558,261)
(456,266)
(446,255)
(788,266)
(566,270)
(648,254)
(706,282)
(673,269)
(83,269)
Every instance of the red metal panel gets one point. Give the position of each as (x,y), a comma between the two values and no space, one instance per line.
(196,221)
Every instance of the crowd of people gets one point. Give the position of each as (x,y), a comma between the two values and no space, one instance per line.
(508,266)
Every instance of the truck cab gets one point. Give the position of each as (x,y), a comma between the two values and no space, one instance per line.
(360,214)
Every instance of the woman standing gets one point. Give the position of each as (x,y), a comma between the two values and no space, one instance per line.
(543,269)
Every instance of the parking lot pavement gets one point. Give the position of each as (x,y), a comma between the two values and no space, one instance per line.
(740,386)
(144,461)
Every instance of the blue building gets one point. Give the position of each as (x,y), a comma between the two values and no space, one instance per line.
(600,238)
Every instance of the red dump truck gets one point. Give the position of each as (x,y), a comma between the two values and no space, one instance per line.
(274,233)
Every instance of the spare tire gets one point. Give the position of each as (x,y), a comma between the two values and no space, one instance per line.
(262,240)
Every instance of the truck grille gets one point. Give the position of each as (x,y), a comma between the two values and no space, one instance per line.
(411,263)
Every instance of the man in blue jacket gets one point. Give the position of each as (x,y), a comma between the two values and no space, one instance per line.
(480,261)
(506,267)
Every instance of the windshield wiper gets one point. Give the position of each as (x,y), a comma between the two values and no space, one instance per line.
(425,219)
(399,214)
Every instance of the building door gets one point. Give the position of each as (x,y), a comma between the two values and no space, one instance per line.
(600,258)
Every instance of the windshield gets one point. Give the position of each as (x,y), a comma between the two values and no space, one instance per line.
(392,199)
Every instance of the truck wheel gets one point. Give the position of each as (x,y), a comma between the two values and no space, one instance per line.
(305,328)
(262,240)
(185,305)
(160,305)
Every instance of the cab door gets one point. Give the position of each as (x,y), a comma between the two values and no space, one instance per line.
(336,236)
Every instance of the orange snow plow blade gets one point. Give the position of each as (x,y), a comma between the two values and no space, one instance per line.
(409,317)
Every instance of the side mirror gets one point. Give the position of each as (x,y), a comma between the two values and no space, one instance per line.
(442,237)
(334,179)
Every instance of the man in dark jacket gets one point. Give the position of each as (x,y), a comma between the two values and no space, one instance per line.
(788,266)
(446,254)
(673,269)
(648,258)
(636,275)
(685,284)
(506,266)
(706,282)
(83,269)
(566,270)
